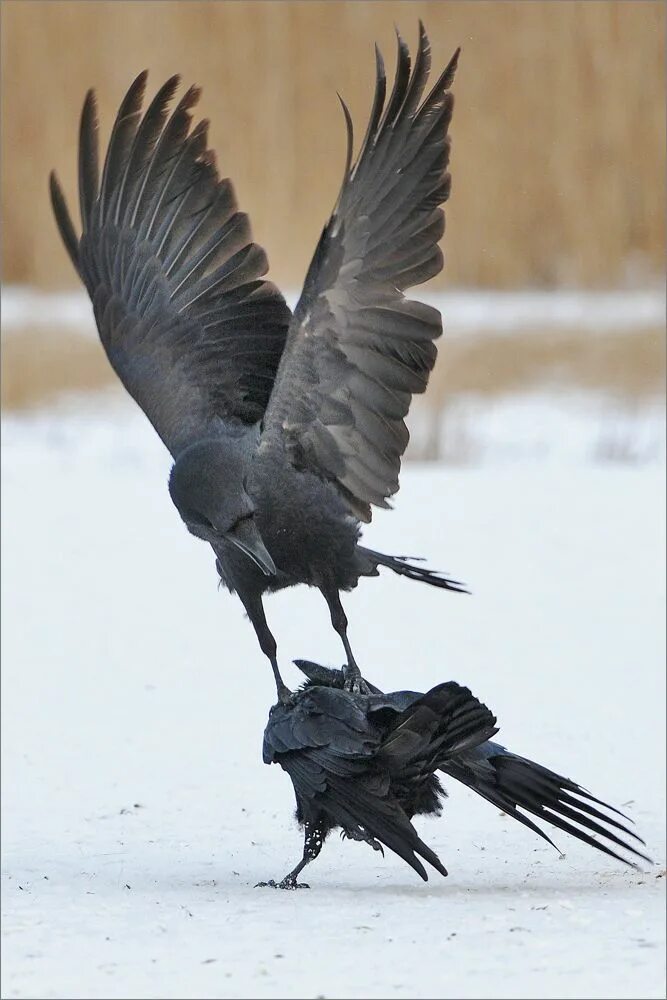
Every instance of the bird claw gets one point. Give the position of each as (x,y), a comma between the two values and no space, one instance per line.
(286,697)
(354,682)
(286,883)
(365,836)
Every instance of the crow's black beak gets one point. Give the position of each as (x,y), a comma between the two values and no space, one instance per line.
(247,538)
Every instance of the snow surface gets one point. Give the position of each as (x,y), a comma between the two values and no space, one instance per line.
(540,426)
(481,310)
(138,815)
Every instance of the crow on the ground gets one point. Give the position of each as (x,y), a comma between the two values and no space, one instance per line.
(366,763)
(284,429)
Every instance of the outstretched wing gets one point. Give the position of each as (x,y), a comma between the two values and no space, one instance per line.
(188,325)
(357,349)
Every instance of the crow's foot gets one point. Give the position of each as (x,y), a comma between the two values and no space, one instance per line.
(286,697)
(287,883)
(364,837)
(354,682)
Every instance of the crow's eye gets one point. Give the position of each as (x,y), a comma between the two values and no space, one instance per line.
(196,519)
(244,517)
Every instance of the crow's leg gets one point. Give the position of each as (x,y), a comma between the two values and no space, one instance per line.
(312,845)
(353,680)
(255,610)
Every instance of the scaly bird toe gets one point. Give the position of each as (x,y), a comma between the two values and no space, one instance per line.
(286,883)
(354,682)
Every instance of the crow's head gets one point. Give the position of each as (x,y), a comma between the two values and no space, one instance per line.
(207,485)
(319,676)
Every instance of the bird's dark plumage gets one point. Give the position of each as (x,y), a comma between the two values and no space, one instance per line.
(357,349)
(284,429)
(186,320)
(367,763)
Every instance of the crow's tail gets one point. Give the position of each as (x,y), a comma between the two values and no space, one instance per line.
(514,783)
(404,566)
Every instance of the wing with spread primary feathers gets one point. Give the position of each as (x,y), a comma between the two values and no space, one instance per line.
(357,349)
(188,325)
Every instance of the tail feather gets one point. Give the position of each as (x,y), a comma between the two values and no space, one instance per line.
(514,783)
(404,566)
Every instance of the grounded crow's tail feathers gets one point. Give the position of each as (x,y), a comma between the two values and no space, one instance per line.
(404,566)
(514,783)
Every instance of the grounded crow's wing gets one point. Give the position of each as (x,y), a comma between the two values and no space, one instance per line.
(192,331)
(327,745)
(357,349)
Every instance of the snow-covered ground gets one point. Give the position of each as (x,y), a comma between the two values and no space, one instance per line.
(540,426)
(137,813)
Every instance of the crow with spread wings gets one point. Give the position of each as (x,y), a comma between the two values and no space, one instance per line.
(284,429)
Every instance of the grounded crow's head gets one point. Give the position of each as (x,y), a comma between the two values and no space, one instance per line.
(207,485)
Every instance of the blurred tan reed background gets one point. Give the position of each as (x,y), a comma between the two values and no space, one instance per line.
(558,137)
(559,131)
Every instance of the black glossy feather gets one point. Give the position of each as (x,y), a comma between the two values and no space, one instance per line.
(514,783)
(88,159)
(64,220)
(143,146)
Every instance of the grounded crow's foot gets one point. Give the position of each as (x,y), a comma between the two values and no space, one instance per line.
(287,883)
(371,841)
